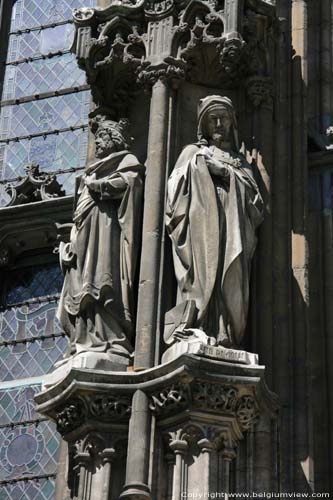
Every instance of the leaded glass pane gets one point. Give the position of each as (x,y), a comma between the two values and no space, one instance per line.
(30,359)
(31,13)
(40,42)
(17,404)
(48,114)
(28,450)
(35,359)
(46,75)
(33,281)
(34,490)
(63,151)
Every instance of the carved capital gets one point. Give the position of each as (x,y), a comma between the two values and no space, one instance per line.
(172,71)
(206,446)
(179,446)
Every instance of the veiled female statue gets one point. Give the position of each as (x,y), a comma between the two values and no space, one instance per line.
(96,307)
(213,209)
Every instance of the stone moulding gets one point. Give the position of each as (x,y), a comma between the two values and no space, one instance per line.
(188,385)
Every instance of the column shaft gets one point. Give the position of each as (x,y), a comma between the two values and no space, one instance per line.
(153,223)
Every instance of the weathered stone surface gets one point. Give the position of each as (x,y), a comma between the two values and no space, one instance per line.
(213,209)
(36,186)
(202,407)
(209,351)
(97,302)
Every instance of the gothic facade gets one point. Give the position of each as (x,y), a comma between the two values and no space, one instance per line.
(166,248)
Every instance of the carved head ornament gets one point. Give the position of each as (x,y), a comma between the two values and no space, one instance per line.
(216,102)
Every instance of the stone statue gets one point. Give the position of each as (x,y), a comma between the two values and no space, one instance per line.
(96,307)
(213,209)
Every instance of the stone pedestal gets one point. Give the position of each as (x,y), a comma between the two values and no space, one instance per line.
(201,406)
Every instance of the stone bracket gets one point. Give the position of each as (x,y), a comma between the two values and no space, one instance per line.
(188,384)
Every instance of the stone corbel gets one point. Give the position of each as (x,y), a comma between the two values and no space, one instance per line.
(260,91)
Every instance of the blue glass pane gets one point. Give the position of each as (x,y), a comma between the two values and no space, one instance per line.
(48,114)
(32,358)
(55,152)
(17,404)
(33,361)
(41,76)
(28,450)
(33,281)
(33,490)
(30,13)
(40,42)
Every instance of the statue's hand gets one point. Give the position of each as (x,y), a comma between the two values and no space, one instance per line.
(92,184)
(217,168)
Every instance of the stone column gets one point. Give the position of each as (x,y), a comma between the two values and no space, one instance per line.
(227,455)
(137,469)
(153,224)
(206,448)
(107,456)
(83,460)
(170,460)
(179,486)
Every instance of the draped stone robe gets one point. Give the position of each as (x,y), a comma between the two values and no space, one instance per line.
(96,307)
(211,222)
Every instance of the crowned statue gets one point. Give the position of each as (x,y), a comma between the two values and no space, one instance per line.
(96,308)
(213,209)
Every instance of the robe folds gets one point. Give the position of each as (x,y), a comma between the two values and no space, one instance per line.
(96,306)
(212,224)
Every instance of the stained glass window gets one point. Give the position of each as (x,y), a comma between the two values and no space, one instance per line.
(33,281)
(35,78)
(30,13)
(32,340)
(28,447)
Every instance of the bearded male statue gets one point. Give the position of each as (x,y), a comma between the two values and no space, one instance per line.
(213,209)
(96,308)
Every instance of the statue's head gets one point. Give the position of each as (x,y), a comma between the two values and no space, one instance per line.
(217,121)
(110,136)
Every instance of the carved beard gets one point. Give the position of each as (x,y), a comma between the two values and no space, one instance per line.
(219,137)
(103,150)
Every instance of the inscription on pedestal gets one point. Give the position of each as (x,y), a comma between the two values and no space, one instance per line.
(228,354)
(216,352)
